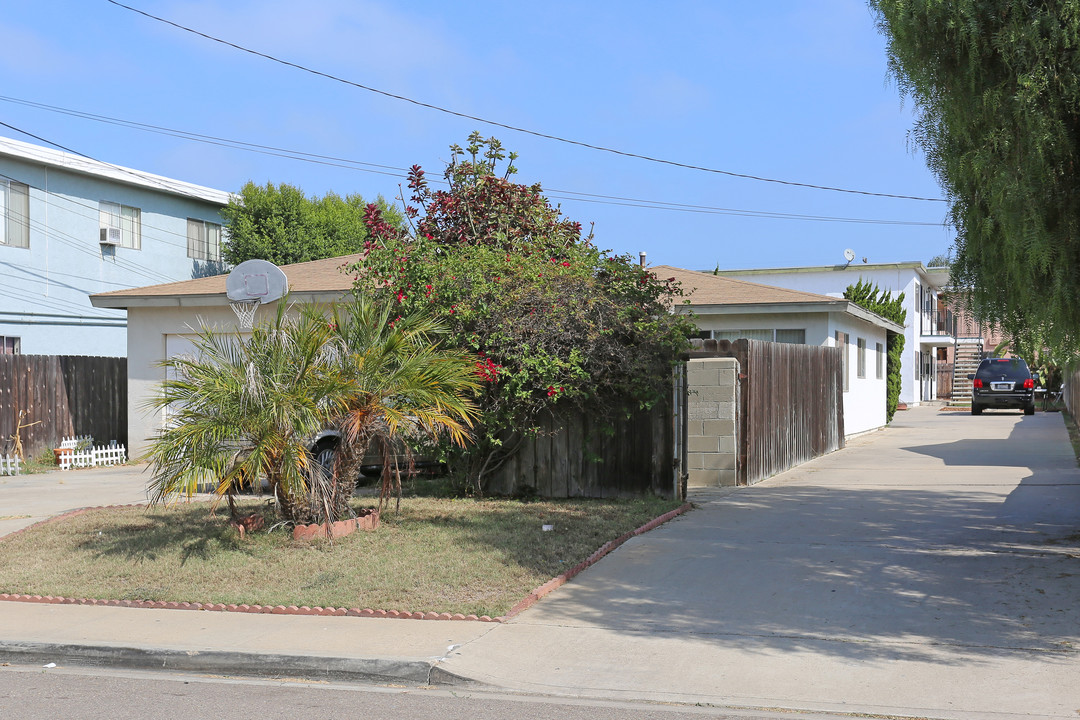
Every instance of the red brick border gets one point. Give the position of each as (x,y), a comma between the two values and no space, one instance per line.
(532,598)
(527,602)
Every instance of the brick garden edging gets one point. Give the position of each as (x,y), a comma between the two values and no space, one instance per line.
(557,582)
(529,600)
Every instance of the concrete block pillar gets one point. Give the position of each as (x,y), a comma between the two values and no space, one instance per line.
(711,442)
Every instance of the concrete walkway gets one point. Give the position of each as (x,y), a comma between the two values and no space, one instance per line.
(932,569)
(28,499)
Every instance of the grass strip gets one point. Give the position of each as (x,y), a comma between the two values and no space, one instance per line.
(463,556)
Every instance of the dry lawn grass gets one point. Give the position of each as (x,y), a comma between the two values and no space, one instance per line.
(435,555)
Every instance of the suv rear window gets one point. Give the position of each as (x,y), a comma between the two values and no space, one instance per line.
(1003,369)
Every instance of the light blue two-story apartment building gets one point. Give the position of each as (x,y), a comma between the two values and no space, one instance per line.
(71,227)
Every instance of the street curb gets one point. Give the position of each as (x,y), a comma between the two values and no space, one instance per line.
(220,662)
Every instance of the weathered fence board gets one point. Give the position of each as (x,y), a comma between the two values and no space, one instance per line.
(580,455)
(62,395)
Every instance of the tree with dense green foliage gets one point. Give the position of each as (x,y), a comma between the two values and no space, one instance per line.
(870,297)
(941,260)
(996,85)
(284,226)
(554,322)
(245,408)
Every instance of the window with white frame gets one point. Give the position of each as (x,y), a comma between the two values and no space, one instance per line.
(14,214)
(10,345)
(120,225)
(795,337)
(203,240)
(879,361)
(861,363)
(842,342)
(758,334)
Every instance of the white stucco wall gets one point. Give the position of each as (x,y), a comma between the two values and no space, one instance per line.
(832,281)
(149,332)
(864,401)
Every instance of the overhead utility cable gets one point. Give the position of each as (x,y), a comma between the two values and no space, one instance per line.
(515,128)
(401,172)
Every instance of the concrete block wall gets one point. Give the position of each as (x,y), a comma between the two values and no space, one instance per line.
(711,447)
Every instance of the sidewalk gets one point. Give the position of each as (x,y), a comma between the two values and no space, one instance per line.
(931,569)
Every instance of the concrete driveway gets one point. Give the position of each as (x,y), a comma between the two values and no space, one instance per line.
(932,569)
(27,499)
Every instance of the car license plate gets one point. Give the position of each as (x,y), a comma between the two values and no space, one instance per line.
(1001,386)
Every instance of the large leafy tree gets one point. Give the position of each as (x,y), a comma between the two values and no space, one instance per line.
(996,84)
(554,322)
(244,409)
(871,297)
(281,224)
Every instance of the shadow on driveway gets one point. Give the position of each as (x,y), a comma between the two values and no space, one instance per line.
(863,561)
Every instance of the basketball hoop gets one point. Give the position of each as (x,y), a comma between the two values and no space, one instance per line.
(253,283)
(245,312)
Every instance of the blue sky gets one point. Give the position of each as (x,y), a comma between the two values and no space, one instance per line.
(794,90)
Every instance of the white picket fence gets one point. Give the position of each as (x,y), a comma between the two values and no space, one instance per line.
(84,454)
(9,464)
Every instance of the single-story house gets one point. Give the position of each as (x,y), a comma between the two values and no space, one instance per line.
(727,308)
(163,319)
(929,330)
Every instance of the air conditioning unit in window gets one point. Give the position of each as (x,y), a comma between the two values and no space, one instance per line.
(110,236)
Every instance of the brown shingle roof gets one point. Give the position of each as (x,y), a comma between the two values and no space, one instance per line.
(704,288)
(316,276)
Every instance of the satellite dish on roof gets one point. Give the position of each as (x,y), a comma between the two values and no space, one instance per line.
(256,280)
(849,254)
(252,283)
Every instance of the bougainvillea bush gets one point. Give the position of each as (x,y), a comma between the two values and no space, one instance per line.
(554,322)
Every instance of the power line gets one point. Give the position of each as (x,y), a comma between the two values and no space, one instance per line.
(515,128)
(350,164)
(709,210)
(146,177)
(270,150)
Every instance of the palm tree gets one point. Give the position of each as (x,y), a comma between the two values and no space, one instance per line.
(406,388)
(245,408)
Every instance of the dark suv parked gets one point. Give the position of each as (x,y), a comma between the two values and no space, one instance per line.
(1002,383)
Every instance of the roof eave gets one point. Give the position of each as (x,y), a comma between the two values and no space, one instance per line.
(841,306)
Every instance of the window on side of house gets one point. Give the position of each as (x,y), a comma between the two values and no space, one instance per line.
(759,334)
(127,219)
(14,214)
(10,345)
(861,365)
(203,240)
(879,361)
(841,342)
(792,337)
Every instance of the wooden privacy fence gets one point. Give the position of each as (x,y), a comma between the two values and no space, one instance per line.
(790,403)
(1070,393)
(944,380)
(61,396)
(579,455)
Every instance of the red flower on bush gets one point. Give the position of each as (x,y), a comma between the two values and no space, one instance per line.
(487,369)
